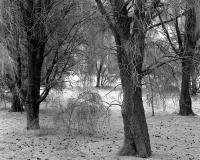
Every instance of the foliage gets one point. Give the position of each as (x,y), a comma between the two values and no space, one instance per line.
(85,114)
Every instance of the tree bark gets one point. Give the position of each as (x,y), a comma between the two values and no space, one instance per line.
(136,134)
(135,126)
(129,34)
(36,40)
(98,69)
(35,61)
(32,116)
(185,98)
(194,76)
(185,102)
(98,79)
(16,105)
(194,87)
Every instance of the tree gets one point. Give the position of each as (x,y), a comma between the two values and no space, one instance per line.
(129,27)
(52,36)
(182,36)
(187,54)
(11,35)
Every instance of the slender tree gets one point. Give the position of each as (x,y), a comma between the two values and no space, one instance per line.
(12,34)
(185,37)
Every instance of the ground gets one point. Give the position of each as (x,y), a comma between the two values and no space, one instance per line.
(172,136)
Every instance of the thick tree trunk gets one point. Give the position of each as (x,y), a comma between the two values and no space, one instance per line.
(135,126)
(136,134)
(33,93)
(36,37)
(35,60)
(190,43)
(130,53)
(32,116)
(185,99)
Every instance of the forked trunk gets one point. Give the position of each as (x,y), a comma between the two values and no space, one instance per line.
(185,99)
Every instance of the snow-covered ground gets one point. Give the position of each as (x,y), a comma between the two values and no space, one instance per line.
(172,136)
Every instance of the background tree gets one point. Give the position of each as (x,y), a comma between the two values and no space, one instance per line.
(182,33)
(12,35)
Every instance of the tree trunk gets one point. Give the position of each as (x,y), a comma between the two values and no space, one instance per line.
(194,76)
(185,99)
(32,116)
(35,61)
(33,92)
(194,87)
(136,134)
(190,43)
(98,78)
(135,126)
(16,105)
(99,70)
(130,53)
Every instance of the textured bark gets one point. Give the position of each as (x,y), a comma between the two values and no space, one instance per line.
(17,105)
(35,60)
(136,134)
(129,34)
(185,98)
(190,42)
(32,116)
(135,127)
(36,39)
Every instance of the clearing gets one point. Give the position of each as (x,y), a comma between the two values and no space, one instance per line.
(172,136)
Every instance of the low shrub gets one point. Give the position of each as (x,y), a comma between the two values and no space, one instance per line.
(86,113)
